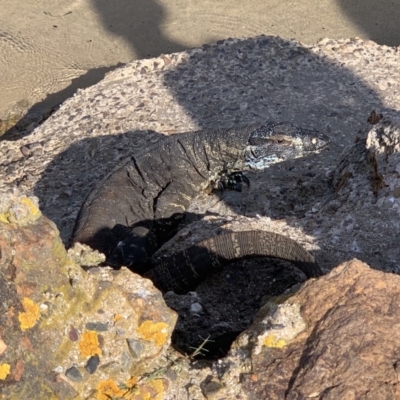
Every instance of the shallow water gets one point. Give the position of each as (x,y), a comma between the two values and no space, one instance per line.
(50,48)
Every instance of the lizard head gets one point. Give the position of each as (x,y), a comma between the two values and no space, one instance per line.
(275,142)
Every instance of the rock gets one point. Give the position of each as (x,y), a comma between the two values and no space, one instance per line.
(85,256)
(212,389)
(74,374)
(66,332)
(92,364)
(347,343)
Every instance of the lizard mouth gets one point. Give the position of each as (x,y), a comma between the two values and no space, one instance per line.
(316,143)
(317,150)
(256,162)
(259,157)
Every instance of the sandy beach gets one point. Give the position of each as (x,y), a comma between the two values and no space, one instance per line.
(49,49)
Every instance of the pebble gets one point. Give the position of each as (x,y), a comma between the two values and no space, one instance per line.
(92,364)
(25,151)
(96,326)
(396,192)
(74,374)
(196,308)
(135,347)
(73,334)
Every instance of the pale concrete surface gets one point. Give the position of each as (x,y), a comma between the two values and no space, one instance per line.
(50,48)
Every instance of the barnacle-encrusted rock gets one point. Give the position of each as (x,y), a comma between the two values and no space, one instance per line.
(66,333)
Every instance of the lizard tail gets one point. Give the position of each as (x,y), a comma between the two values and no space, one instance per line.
(186,269)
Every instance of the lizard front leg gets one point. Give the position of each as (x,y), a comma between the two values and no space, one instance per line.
(135,246)
(228,180)
(137,243)
(233,181)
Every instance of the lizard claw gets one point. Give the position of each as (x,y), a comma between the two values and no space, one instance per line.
(133,248)
(233,181)
(246,180)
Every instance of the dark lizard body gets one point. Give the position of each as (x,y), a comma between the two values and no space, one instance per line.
(121,215)
(184,270)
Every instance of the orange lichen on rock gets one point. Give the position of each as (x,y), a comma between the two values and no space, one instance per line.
(272,341)
(108,390)
(156,332)
(28,318)
(33,210)
(158,386)
(4,371)
(152,390)
(89,344)
(132,381)
(117,317)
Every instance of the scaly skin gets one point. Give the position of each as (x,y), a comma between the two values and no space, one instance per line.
(147,192)
(184,270)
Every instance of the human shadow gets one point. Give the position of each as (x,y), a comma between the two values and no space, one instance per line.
(379,21)
(142,30)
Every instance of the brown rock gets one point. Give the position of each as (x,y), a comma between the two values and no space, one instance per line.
(66,333)
(349,347)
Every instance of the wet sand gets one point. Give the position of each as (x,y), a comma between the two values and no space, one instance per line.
(49,49)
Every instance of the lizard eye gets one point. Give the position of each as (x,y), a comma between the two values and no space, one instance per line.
(282,140)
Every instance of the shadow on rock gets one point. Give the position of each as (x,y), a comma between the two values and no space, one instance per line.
(379,22)
(39,112)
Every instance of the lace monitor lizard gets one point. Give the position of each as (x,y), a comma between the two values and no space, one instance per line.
(148,193)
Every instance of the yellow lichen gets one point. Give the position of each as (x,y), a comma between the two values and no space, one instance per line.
(108,389)
(31,206)
(117,317)
(5,217)
(132,381)
(25,211)
(156,332)
(4,371)
(89,344)
(28,318)
(158,386)
(272,341)
(152,390)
